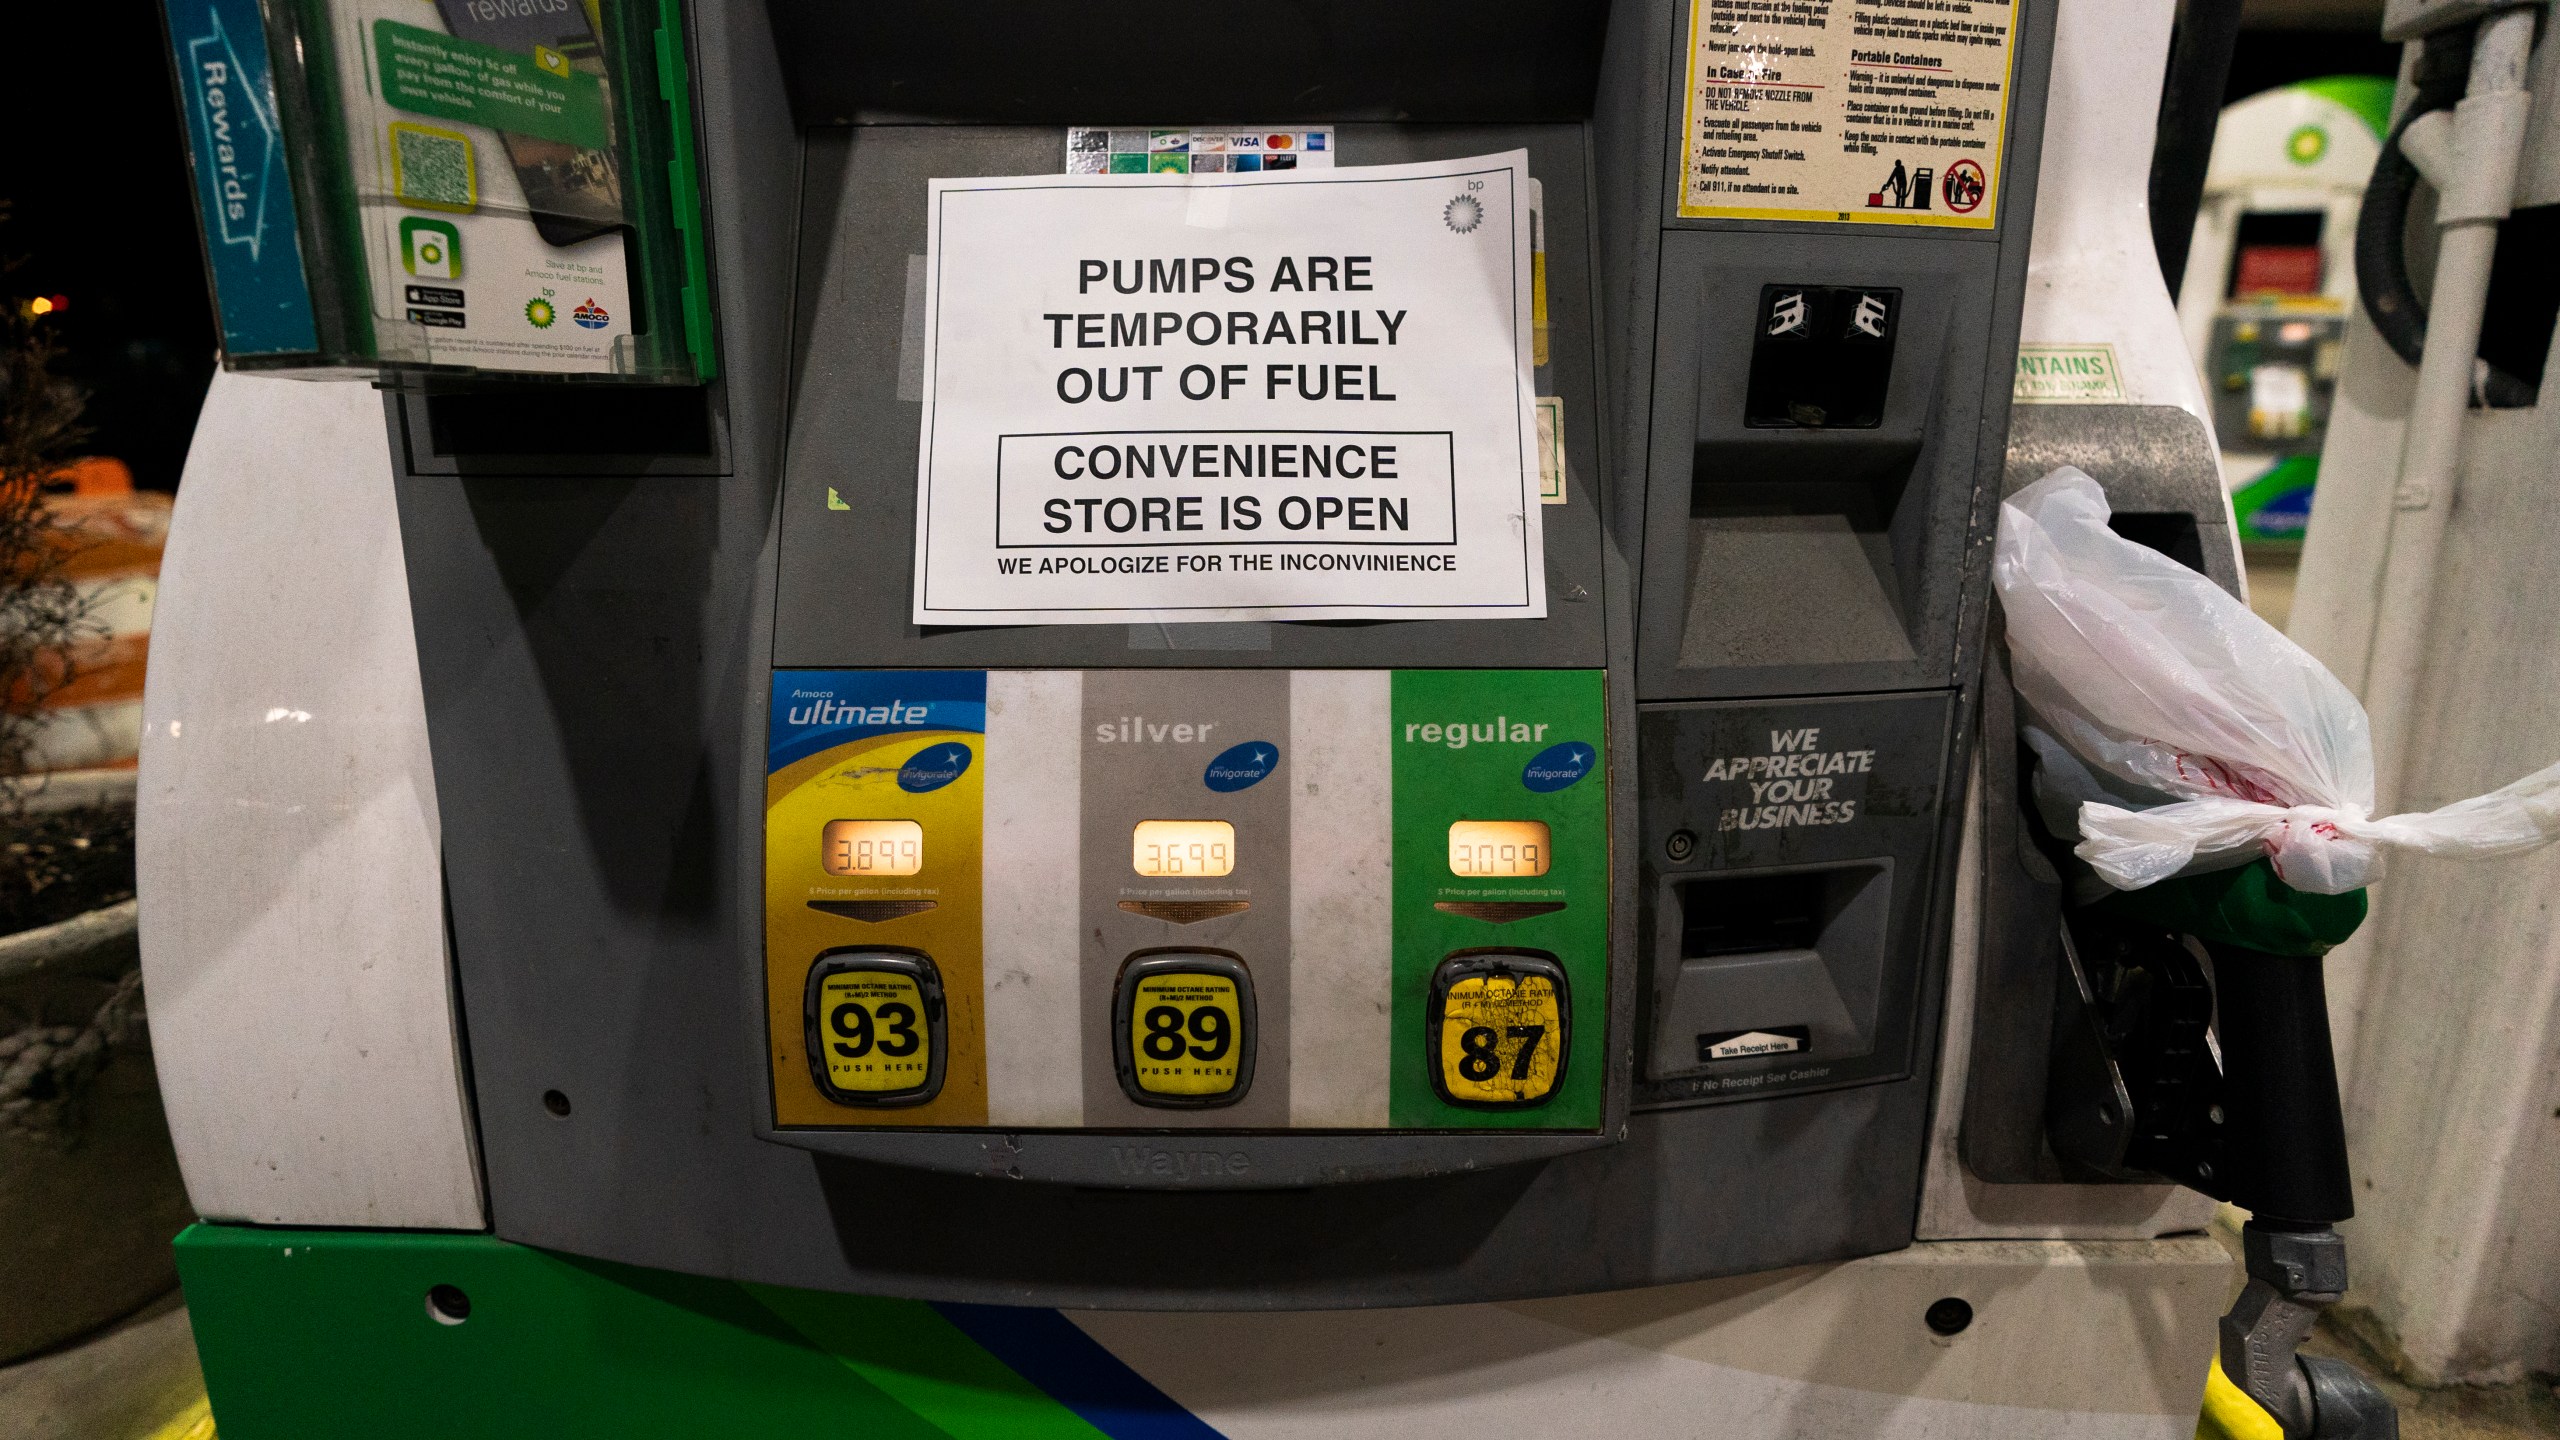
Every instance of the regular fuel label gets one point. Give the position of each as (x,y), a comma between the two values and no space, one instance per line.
(1293,396)
(1880,111)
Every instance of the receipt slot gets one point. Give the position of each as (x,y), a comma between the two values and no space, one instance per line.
(1257,640)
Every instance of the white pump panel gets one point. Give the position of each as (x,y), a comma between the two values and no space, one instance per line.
(292,900)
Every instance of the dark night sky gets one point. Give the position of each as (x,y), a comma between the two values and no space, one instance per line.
(101,208)
(2265,59)
(101,213)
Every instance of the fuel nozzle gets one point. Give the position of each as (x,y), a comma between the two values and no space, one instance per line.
(2287,1165)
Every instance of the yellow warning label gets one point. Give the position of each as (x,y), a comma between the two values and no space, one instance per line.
(1186,1034)
(1875,111)
(872,1023)
(1500,1039)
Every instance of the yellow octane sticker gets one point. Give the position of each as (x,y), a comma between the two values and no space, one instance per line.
(1499,1039)
(873,1025)
(1186,1033)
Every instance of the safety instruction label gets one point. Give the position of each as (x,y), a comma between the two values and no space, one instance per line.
(1301,395)
(1881,111)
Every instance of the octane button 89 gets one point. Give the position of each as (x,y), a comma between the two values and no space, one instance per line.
(1183,1029)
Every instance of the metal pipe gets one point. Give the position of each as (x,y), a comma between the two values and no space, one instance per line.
(2488,140)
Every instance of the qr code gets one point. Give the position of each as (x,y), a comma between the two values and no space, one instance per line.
(432,168)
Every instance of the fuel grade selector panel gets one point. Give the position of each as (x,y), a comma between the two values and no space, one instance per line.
(1258,900)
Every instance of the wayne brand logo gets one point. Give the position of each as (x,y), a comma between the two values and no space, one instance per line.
(1181,1164)
(235,125)
(1242,766)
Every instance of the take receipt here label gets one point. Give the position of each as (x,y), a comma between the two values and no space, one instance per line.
(1296,396)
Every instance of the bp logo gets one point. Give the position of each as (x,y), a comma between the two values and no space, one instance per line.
(1464,214)
(933,767)
(431,249)
(2306,145)
(539,314)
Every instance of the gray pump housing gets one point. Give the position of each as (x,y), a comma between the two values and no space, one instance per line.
(596,628)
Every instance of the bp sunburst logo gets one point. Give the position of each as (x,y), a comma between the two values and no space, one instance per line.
(539,314)
(1464,214)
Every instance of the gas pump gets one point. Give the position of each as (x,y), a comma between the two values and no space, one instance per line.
(1433,939)
(2269,281)
(840,953)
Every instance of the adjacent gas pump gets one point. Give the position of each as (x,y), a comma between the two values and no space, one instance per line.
(2269,281)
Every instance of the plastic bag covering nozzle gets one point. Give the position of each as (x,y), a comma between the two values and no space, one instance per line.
(2159,680)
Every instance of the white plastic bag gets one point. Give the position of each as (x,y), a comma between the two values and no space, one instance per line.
(2152,674)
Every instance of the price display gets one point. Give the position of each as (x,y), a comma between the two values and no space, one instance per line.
(1499,847)
(1183,848)
(872,847)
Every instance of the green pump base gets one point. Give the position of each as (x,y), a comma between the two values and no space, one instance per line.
(383,1335)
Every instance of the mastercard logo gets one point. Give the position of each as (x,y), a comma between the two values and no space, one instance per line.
(1279,142)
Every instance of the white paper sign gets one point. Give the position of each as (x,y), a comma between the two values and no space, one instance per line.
(1293,396)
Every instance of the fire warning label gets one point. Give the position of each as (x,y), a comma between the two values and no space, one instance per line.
(1889,111)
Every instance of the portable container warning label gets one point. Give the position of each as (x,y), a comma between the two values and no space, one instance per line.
(1877,111)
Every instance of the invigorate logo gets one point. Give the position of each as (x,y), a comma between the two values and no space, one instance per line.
(932,768)
(1558,767)
(1241,767)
